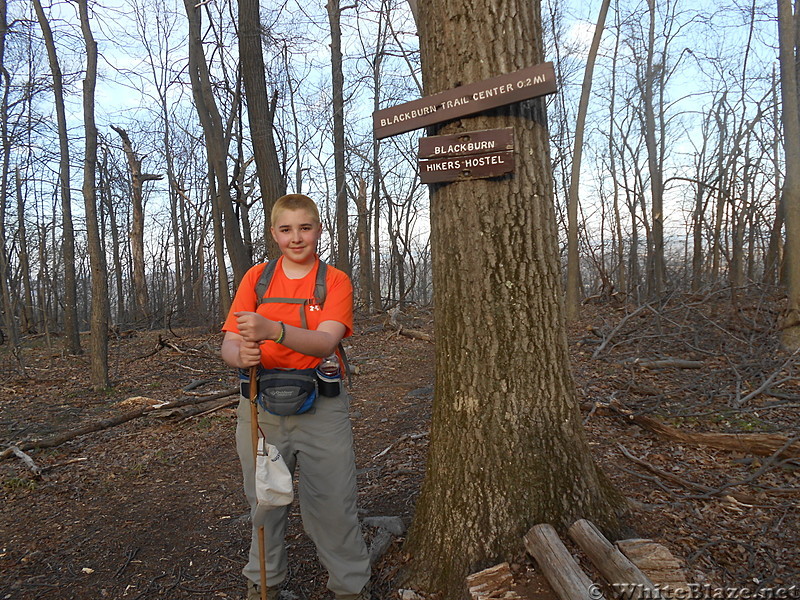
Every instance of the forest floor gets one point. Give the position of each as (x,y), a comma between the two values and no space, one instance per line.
(153,508)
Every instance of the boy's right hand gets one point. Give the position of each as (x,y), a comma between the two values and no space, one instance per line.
(249,354)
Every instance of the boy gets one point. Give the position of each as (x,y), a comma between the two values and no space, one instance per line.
(272,335)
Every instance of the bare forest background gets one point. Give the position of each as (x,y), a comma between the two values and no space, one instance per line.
(131,134)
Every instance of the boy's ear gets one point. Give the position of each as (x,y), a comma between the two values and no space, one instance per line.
(272,231)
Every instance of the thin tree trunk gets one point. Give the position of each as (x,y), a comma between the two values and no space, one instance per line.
(342,228)
(5,272)
(99,319)
(137,226)
(72,342)
(658,271)
(24,258)
(216,145)
(573,255)
(365,262)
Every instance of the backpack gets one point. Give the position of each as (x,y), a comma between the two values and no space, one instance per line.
(320,293)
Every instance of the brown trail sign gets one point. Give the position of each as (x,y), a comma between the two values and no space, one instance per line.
(469,99)
(464,156)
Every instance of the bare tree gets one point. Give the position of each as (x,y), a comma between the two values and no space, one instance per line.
(499,326)
(573,259)
(72,342)
(789,40)
(342,229)
(260,113)
(216,143)
(99,320)
(138,179)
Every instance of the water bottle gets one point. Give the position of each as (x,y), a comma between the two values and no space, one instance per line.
(329,376)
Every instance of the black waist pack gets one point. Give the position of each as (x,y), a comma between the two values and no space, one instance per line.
(285,392)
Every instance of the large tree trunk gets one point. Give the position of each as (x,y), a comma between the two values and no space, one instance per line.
(342,229)
(99,318)
(72,342)
(260,114)
(507,447)
(787,34)
(573,255)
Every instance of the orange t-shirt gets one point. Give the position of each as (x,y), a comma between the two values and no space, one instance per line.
(338,306)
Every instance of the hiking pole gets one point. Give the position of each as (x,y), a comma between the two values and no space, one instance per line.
(254,437)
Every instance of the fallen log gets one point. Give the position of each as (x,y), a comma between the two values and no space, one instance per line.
(657,562)
(414,334)
(66,436)
(760,444)
(625,577)
(559,568)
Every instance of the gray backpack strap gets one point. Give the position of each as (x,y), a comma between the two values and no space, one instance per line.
(265,279)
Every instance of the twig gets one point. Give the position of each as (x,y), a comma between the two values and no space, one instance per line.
(614,331)
(131,555)
(63,464)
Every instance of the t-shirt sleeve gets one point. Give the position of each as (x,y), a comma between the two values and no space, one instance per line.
(245,298)
(339,300)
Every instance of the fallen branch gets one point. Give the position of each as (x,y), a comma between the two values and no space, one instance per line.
(760,444)
(415,334)
(202,410)
(666,363)
(61,438)
(27,460)
(685,483)
(618,569)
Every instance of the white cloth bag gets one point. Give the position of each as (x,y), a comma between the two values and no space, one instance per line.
(273,479)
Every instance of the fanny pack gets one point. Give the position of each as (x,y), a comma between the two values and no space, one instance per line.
(284,392)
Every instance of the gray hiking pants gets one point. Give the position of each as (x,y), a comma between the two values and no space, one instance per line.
(321,443)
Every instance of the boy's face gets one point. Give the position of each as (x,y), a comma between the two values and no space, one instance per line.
(296,234)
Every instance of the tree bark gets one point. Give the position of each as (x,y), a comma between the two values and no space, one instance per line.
(99,316)
(503,382)
(72,342)
(364,258)
(260,114)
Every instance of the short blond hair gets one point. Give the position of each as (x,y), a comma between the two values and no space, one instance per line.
(294,202)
